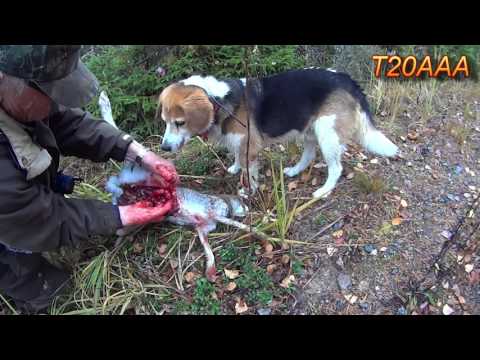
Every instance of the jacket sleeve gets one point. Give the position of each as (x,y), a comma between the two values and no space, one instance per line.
(79,134)
(34,218)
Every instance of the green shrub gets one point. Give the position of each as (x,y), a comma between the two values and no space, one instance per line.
(128,75)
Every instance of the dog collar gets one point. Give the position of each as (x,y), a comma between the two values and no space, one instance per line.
(204,135)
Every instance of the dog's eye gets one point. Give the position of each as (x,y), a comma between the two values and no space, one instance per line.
(180,123)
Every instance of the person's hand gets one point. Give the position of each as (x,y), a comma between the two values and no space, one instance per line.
(141,213)
(163,170)
(21,101)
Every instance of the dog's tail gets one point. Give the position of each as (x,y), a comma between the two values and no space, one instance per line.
(372,139)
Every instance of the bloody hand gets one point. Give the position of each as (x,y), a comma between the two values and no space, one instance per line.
(143,213)
(163,170)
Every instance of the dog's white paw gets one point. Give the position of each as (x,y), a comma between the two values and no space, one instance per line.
(290,171)
(321,193)
(234,169)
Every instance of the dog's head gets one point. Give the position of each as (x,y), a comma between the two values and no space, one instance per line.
(187,112)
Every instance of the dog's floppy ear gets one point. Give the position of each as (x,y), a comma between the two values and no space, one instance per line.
(198,112)
(162,100)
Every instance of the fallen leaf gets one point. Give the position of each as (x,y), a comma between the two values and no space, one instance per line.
(231,274)
(447,310)
(162,249)
(331,250)
(271,268)
(397,221)
(461,300)
(338,234)
(190,277)
(412,136)
(137,248)
(350,176)
(474,277)
(403,203)
(268,173)
(268,248)
(314,181)
(468,268)
(241,307)
(287,281)
(352,299)
(231,286)
(292,185)
(285,246)
(285,259)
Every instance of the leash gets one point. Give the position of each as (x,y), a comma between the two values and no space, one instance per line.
(217,105)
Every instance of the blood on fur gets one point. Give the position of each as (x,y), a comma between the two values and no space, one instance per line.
(152,192)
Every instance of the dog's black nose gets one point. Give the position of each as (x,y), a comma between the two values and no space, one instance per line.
(166,147)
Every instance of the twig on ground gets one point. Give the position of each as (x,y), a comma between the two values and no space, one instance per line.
(311,278)
(256,233)
(326,227)
(8,304)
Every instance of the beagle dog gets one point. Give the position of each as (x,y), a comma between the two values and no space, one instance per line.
(317,106)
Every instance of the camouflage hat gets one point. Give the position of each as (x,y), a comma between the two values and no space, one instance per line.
(56,69)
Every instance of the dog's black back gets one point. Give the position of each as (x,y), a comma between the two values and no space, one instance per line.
(287,101)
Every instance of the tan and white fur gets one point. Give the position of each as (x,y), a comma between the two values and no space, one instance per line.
(340,118)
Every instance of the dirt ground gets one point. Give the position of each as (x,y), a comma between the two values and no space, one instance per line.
(375,267)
